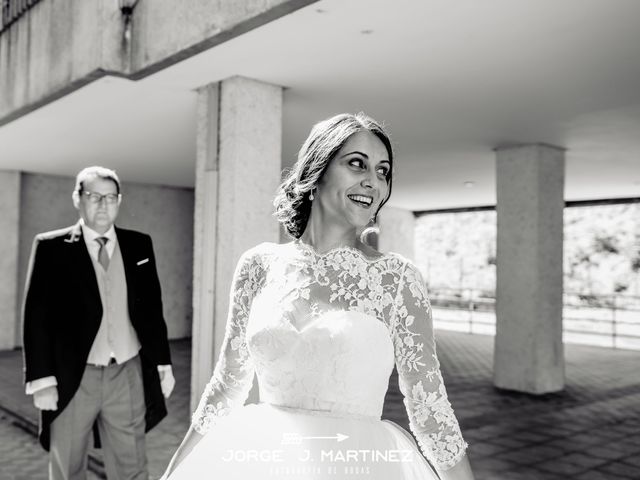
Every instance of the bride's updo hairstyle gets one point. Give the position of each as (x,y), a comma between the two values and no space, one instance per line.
(327,137)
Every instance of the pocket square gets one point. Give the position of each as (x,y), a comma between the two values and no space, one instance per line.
(142,262)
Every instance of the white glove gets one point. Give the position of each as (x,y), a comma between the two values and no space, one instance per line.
(167,382)
(46,399)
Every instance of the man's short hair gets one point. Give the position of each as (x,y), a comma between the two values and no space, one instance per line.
(91,173)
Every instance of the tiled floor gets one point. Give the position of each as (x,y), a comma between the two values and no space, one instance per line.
(590,431)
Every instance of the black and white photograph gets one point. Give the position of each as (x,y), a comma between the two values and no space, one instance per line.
(320,239)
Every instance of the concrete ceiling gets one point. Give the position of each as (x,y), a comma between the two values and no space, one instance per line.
(451,80)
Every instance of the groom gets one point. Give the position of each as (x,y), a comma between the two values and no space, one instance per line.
(95,341)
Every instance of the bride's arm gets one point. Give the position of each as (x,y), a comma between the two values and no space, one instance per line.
(233,375)
(431,416)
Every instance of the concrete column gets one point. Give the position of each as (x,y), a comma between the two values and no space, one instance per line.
(204,240)
(530,201)
(237,172)
(10,228)
(397,228)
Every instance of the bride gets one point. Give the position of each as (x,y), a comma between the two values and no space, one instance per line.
(321,321)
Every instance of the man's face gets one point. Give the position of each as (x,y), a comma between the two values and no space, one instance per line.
(98,216)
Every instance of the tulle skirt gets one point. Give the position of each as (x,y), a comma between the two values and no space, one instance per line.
(265,442)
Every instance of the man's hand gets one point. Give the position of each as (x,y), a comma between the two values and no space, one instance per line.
(46,399)
(167,382)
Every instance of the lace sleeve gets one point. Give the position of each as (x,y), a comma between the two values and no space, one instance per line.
(431,417)
(233,374)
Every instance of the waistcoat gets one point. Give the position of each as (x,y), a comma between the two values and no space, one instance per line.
(116,336)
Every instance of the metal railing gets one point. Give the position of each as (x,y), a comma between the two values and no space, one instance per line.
(605,320)
(12,10)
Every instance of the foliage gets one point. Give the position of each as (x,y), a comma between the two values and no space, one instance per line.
(601,250)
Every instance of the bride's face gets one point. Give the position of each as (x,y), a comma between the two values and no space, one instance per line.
(355,182)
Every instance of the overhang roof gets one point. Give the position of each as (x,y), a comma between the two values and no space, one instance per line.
(452,81)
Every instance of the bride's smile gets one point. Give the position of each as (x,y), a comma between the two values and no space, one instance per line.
(354,184)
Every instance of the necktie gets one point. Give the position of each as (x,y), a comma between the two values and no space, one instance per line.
(103,256)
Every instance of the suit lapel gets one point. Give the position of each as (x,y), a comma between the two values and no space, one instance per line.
(81,260)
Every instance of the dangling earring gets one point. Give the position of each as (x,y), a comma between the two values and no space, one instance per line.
(311,197)
(372,228)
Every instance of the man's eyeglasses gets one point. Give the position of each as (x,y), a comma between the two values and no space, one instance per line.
(109,198)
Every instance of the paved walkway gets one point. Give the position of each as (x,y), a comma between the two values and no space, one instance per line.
(590,431)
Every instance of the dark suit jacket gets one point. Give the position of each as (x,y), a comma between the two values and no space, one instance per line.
(62,313)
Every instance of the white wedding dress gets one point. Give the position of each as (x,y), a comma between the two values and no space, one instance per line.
(322,333)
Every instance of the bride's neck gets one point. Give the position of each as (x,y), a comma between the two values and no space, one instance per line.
(324,236)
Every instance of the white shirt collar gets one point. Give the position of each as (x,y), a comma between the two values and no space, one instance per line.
(90,235)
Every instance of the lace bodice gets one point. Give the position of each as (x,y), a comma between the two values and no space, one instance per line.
(322,332)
